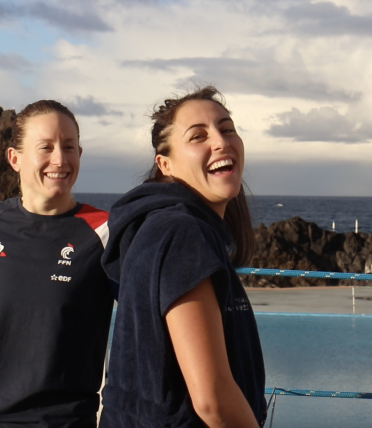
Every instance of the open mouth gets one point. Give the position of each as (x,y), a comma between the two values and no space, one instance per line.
(56,174)
(221,166)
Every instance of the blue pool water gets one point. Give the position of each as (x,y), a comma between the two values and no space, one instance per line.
(321,352)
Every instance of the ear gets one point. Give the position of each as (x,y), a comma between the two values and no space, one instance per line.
(80,151)
(14,158)
(164,164)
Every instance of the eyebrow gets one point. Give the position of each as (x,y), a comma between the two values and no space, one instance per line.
(203,125)
(50,140)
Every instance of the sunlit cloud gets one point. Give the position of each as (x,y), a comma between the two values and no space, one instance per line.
(295,73)
(53,14)
(263,76)
(327,19)
(320,124)
(88,106)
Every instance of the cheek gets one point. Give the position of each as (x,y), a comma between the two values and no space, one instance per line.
(240,152)
(76,162)
(29,164)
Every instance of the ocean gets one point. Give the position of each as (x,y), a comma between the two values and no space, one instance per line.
(322,210)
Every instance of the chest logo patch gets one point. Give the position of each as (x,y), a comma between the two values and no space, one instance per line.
(2,254)
(65,253)
(61,278)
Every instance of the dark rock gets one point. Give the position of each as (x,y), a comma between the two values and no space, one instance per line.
(8,178)
(295,244)
(343,261)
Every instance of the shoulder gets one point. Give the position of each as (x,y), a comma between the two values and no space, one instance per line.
(91,215)
(175,219)
(187,251)
(96,219)
(8,205)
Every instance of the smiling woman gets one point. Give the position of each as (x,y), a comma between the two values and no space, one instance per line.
(46,154)
(185,350)
(55,299)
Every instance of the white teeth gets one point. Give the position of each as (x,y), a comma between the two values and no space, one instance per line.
(220,164)
(56,174)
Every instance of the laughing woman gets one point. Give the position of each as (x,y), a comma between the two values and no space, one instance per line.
(186,351)
(55,302)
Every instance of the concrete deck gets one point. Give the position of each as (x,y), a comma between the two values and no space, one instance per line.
(321,300)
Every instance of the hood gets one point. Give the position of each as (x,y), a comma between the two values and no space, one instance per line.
(129,212)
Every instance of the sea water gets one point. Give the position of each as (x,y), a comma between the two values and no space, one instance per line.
(323,211)
(318,352)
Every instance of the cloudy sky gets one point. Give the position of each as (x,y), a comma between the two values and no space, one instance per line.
(297,75)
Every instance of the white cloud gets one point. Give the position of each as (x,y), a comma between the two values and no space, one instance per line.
(326,18)
(320,124)
(88,106)
(76,16)
(113,59)
(263,75)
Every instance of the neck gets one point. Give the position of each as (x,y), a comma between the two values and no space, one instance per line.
(53,206)
(219,209)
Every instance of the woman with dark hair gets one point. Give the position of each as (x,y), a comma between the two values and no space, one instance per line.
(185,351)
(55,301)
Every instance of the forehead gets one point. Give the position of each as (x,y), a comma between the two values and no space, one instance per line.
(199,111)
(50,124)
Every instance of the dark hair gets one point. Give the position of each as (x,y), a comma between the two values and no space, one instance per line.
(37,108)
(237,217)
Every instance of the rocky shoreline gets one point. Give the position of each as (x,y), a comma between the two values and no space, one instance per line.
(8,178)
(300,245)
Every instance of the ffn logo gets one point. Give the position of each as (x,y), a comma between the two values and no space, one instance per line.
(65,253)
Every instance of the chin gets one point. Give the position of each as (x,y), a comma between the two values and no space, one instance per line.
(59,194)
(229,196)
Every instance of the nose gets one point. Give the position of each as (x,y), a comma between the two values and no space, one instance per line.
(58,157)
(220,141)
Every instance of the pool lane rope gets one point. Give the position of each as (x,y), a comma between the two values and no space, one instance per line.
(313,393)
(304,273)
(273,392)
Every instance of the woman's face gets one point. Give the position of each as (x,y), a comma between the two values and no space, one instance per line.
(205,152)
(49,160)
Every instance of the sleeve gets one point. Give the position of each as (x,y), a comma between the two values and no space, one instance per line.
(188,255)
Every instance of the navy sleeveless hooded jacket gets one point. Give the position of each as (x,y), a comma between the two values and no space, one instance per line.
(164,240)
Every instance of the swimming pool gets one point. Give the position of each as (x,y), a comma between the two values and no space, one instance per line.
(321,352)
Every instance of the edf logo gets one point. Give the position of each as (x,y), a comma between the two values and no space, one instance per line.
(61,278)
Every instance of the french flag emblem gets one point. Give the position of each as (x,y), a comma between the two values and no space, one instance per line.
(2,254)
